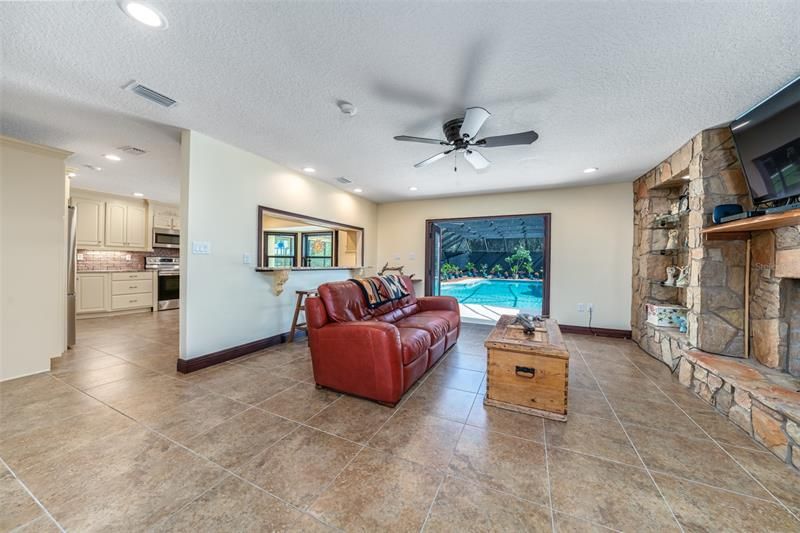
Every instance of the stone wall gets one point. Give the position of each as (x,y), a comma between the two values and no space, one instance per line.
(708,170)
(775,298)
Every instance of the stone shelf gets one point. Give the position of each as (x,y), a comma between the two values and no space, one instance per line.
(740,229)
(670,251)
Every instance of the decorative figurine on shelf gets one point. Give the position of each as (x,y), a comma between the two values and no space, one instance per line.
(671,271)
(681,320)
(683,277)
(683,203)
(672,241)
(675,207)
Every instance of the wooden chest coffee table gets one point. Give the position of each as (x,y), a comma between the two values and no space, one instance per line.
(527,373)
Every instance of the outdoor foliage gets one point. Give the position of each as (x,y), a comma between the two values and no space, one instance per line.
(520,261)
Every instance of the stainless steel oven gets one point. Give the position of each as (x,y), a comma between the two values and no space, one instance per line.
(168,280)
(166,238)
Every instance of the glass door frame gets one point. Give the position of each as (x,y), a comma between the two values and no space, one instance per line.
(431,250)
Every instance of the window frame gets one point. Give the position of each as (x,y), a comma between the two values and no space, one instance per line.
(266,258)
(304,238)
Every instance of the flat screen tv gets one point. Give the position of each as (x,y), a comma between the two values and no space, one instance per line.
(768,141)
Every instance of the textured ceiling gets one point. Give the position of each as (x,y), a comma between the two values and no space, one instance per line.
(614,85)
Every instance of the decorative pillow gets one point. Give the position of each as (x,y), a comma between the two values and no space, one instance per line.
(379,290)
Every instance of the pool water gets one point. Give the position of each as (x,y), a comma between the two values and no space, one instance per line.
(497,292)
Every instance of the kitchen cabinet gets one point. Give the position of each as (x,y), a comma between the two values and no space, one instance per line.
(91,291)
(100,293)
(90,226)
(166,222)
(126,226)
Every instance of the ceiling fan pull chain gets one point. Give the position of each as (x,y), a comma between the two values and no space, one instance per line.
(455,161)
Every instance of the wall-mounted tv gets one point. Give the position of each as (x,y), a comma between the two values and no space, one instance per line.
(768,141)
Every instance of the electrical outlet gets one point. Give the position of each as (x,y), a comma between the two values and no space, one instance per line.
(246,259)
(412,256)
(201,247)
(128,257)
(581,308)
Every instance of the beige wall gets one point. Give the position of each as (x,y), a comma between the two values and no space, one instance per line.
(33,193)
(226,303)
(592,238)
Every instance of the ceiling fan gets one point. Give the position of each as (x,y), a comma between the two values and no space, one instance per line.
(461,134)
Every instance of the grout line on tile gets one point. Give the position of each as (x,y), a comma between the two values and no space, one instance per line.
(549,481)
(35,499)
(720,446)
(630,441)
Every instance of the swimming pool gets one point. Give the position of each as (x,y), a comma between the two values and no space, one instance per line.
(513,293)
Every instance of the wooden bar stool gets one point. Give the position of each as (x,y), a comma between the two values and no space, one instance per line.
(300,306)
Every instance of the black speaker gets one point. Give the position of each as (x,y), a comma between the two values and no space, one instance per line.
(725,210)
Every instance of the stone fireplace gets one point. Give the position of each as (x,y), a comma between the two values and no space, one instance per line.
(775,298)
(741,350)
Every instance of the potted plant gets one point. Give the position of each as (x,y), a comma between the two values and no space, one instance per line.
(496,271)
(519,260)
(484,270)
(470,268)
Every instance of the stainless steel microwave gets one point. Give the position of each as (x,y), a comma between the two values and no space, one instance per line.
(166,238)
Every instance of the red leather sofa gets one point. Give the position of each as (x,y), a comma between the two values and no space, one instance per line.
(377,353)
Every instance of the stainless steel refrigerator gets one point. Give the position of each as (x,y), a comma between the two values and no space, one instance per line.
(71,265)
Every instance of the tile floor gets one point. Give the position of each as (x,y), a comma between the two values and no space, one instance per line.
(114,439)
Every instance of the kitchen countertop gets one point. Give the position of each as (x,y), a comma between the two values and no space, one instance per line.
(113,271)
(303,269)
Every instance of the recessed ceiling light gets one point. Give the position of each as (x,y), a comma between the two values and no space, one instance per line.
(144,13)
(112,157)
(589,170)
(412,188)
(358,190)
(309,169)
(139,194)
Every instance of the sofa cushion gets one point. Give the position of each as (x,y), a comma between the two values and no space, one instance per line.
(414,342)
(437,327)
(344,301)
(451,317)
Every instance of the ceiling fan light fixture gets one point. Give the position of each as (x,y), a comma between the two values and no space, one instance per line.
(144,13)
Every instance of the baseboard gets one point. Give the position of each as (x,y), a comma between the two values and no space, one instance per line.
(599,332)
(194,364)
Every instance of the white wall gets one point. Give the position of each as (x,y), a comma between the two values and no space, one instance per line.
(33,193)
(592,239)
(226,303)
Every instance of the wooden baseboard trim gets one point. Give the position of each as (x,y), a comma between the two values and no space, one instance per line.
(599,332)
(185,366)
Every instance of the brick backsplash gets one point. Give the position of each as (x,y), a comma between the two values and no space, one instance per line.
(114,260)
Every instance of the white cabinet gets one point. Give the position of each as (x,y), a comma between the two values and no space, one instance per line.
(91,292)
(126,226)
(136,226)
(162,221)
(109,292)
(90,225)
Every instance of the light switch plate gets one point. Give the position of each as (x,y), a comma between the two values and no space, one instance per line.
(246,259)
(201,247)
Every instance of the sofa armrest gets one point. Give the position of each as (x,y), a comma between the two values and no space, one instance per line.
(438,303)
(363,358)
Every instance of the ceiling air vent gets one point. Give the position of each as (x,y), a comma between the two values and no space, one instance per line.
(150,94)
(132,150)
(344,180)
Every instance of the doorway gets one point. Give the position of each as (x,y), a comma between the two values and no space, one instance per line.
(492,265)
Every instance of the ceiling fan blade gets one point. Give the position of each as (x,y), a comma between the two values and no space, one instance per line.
(432,159)
(419,140)
(476,159)
(526,137)
(474,117)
